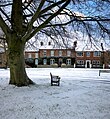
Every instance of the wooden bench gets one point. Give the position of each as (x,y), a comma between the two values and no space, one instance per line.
(103,71)
(55,80)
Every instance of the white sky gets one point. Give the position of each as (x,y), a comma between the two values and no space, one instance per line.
(83,94)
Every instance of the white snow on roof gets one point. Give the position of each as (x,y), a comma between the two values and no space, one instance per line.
(83,43)
(90,46)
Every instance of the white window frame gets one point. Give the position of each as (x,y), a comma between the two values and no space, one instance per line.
(52,53)
(44,53)
(52,61)
(68,61)
(80,62)
(44,61)
(97,53)
(60,53)
(87,54)
(36,61)
(36,55)
(96,62)
(68,53)
(29,55)
(80,55)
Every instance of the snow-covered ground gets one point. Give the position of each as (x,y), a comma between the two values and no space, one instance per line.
(83,94)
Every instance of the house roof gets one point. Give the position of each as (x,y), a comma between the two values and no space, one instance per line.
(83,43)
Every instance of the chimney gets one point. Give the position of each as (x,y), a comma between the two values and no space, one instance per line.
(41,43)
(74,45)
(49,43)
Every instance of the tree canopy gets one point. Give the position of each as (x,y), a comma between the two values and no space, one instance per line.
(39,16)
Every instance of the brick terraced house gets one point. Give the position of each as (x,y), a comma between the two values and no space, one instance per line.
(54,57)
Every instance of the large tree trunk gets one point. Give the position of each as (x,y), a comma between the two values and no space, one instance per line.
(18,74)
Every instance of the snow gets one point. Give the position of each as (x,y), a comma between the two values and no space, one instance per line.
(83,94)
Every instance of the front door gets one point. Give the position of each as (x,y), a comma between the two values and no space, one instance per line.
(60,62)
(88,64)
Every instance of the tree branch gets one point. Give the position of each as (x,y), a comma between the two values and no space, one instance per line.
(5,15)
(35,16)
(29,35)
(5,27)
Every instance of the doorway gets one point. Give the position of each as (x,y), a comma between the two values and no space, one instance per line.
(88,64)
(60,62)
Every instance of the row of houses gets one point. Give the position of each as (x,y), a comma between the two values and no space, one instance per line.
(66,57)
(80,54)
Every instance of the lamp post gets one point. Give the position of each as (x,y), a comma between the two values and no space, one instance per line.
(103,60)
(74,49)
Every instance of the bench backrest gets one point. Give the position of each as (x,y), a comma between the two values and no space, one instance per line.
(51,75)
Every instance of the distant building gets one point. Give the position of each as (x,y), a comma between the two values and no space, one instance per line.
(48,56)
(68,58)
(88,59)
(57,56)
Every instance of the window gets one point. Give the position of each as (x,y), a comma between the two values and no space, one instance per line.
(68,53)
(36,55)
(52,53)
(97,53)
(60,53)
(29,55)
(79,54)
(96,62)
(88,54)
(45,61)
(68,61)
(44,53)
(80,62)
(36,61)
(52,61)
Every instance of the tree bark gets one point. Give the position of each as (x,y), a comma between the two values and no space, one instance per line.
(18,75)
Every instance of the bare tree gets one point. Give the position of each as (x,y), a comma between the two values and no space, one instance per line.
(20,20)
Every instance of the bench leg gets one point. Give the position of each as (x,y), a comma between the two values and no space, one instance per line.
(99,73)
(58,83)
(51,83)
